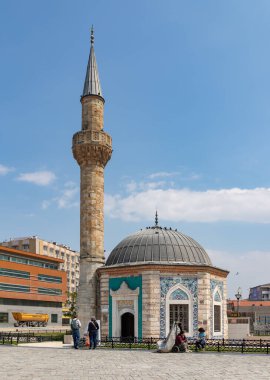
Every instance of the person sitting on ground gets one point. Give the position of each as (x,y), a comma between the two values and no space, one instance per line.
(93,328)
(181,341)
(200,342)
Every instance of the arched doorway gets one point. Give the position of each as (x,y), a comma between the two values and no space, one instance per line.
(127,325)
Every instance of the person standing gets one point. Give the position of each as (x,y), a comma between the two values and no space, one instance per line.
(93,328)
(75,329)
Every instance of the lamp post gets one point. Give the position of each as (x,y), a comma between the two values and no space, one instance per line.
(238,296)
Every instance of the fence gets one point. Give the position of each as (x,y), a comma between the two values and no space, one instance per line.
(16,338)
(217,345)
(237,345)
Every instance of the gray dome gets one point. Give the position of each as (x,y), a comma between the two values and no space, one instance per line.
(158,245)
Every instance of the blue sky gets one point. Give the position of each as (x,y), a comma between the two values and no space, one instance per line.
(187,90)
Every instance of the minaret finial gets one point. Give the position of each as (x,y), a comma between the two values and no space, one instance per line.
(156,219)
(92,35)
(92,84)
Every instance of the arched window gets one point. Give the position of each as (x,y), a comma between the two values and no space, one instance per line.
(217,312)
(178,308)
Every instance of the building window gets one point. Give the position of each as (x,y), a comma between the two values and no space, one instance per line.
(51,250)
(179,313)
(19,302)
(44,277)
(3,317)
(14,288)
(217,318)
(25,246)
(50,291)
(14,273)
(51,266)
(54,318)
(217,303)
(18,260)
(4,257)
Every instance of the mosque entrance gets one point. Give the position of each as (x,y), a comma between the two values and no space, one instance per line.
(127,325)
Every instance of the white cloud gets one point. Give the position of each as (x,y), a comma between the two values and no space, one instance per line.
(183,175)
(41,178)
(45,204)
(66,199)
(162,175)
(247,205)
(133,186)
(4,169)
(68,195)
(241,267)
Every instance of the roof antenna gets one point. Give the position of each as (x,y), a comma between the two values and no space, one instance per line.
(156,219)
(92,35)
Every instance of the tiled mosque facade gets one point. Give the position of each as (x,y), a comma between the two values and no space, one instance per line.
(150,292)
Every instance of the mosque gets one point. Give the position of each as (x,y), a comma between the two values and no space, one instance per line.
(153,277)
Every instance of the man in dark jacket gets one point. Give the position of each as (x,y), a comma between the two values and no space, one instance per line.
(93,328)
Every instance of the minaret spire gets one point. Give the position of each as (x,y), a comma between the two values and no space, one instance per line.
(156,219)
(92,36)
(92,83)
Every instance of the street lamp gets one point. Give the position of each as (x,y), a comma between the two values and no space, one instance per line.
(238,296)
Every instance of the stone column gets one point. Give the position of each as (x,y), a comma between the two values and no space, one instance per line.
(92,148)
(104,303)
(204,303)
(151,304)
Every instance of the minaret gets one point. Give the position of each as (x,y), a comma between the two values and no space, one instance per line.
(92,149)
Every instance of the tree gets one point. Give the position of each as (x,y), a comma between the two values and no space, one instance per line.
(71,304)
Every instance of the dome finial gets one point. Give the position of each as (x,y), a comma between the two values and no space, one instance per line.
(92,35)
(156,219)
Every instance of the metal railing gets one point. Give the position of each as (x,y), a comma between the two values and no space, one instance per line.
(36,331)
(16,338)
(216,345)
(129,343)
(235,345)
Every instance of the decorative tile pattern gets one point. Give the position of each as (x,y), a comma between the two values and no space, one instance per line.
(213,285)
(179,294)
(166,283)
(217,297)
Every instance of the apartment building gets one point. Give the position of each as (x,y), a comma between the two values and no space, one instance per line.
(71,258)
(260,293)
(31,284)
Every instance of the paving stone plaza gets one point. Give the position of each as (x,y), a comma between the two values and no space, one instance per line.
(55,363)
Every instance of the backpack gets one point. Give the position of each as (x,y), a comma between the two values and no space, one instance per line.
(74,324)
(93,326)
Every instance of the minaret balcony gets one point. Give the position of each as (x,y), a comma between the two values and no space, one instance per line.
(89,137)
(92,147)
